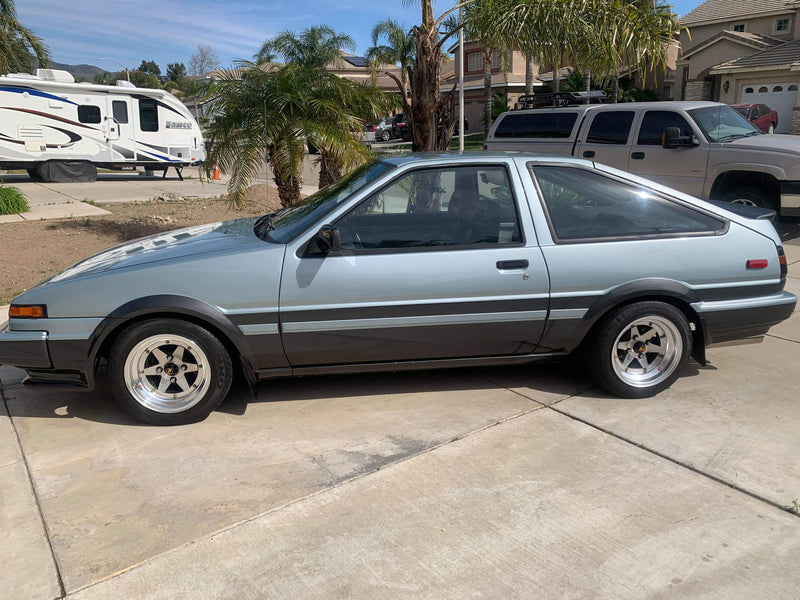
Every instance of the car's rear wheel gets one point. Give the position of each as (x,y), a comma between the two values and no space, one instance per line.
(640,348)
(385,135)
(169,372)
(771,128)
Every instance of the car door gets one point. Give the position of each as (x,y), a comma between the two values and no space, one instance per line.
(439,263)
(682,168)
(607,138)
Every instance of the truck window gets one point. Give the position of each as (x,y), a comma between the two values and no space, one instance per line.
(148,114)
(610,127)
(586,205)
(537,125)
(88,113)
(119,108)
(654,124)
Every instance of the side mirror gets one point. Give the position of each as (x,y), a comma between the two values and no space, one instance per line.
(672,138)
(326,240)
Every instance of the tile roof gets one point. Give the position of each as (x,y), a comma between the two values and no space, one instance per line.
(713,10)
(754,40)
(784,56)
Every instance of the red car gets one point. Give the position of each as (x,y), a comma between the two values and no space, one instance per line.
(760,115)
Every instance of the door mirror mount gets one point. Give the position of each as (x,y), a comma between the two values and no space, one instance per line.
(326,241)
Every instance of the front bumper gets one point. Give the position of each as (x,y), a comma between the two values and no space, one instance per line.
(25,349)
(728,320)
(50,358)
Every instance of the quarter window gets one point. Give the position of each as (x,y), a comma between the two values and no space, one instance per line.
(656,121)
(148,114)
(610,127)
(119,109)
(435,208)
(586,205)
(782,25)
(88,113)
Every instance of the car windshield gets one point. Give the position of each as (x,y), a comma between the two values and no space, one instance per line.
(283,225)
(722,124)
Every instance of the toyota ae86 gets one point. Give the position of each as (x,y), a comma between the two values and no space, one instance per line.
(412,262)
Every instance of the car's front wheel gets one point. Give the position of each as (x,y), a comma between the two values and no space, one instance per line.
(640,348)
(169,372)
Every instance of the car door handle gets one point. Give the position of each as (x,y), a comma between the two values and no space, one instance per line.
(588,154)
(637,155)
(505,265)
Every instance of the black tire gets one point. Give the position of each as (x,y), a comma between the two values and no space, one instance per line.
(169,372)
(751,195)
(640,364)
(385,135)
(34,174)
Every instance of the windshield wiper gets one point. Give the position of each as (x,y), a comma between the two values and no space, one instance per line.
(263,224)
(753,133)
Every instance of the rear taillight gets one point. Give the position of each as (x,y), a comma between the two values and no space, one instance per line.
(757,263)
(782,262)
(484,147)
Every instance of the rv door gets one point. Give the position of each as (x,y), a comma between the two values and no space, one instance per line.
(119,132)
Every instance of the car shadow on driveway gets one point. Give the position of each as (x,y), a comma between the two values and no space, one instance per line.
(542,383)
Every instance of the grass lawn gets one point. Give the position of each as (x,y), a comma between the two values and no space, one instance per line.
(471,142)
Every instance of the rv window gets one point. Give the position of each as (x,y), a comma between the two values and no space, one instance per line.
(148,114)
(88,113)
(120,110)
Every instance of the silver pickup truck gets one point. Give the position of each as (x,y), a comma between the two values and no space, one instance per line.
(705,149)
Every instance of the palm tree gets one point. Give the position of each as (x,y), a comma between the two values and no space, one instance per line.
(274,113)
(18,44)
(398,49)
(633,33)
(315,47)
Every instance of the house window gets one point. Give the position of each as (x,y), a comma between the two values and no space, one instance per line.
(782,25)
(763,89)
(739,27)
(475,61)
(792,88)
(777,88)
(748,91)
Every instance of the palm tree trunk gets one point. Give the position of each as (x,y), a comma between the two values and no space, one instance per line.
(556,75)
(286,180)
(528,75)
(615,88)
(487,91)
(330,168)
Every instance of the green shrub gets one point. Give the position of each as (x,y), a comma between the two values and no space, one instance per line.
(12,201)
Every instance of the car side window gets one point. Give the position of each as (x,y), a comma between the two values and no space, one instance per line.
(610,127)
(436,208)
(655,122)
(587,205)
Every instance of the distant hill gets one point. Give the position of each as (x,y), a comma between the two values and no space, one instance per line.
(86,71)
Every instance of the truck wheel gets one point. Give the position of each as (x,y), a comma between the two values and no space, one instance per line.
(750,195)
(169,372)
(639,349)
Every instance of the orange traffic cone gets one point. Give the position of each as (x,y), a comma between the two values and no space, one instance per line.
(216,173)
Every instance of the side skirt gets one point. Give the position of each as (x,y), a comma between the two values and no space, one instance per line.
(410,365)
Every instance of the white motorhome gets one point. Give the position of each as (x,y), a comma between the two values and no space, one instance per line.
(58,129)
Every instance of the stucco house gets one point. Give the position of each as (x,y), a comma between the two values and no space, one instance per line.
(741,51)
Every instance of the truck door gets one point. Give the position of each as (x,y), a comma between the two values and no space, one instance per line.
(681,168)
(119,131)
(607,138)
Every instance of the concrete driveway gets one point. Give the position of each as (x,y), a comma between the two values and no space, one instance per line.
(485,483)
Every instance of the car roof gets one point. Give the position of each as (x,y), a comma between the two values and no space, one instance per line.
(475,156)
(668,104)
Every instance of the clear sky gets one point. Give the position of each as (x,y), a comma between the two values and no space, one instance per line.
(129,31)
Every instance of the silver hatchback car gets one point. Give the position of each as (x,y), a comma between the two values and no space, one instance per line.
(412,262)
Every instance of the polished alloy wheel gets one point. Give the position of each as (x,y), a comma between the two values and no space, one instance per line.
(167,373)
(647,351)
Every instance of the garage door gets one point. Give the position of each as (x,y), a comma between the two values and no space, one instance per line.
(780,97)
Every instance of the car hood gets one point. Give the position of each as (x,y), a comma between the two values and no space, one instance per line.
(771,143)
(200,239)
